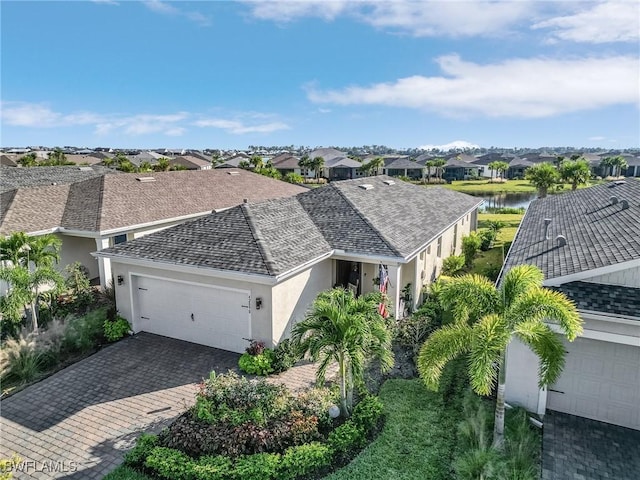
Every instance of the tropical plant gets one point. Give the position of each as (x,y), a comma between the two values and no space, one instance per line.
(543,176)
(438,164)
(256,162)
(162,165)
(116,329)
(372,166)
(453,264)
(29,160)
(145,167)
(616,164)
(348,330)
(493,167)
(487,318)
(57,157)
(317,164)
(470,246)
(429,164)
(293,177)
(575,172)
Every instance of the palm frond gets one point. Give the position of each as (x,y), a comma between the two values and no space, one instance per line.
(489,340)
(518,281)
(469,297)
(546,345)
(442,346)
(542,304)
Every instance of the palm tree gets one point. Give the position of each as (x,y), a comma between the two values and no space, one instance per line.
(145,167)
(162,165)
(502,167)
(429,164)
(487,318)
(348,330)
(493,167)
(375,165)
(29,160)
(317,164)
(57,157)
(439,164)
(543,176)
(575,172)
(256,162)
(20,249)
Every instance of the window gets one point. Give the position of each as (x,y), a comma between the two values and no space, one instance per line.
(120,239)
(455,237)
(439,252)
(429,250)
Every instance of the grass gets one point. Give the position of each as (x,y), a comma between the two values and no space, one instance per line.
(417,442)
(493,258)
(508,186)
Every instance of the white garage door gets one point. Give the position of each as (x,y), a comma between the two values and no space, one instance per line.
(600,381)
(196,313)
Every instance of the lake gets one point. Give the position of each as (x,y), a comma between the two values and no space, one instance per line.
(511,200)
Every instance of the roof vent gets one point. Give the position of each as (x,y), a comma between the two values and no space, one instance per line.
(613,200)
(234,172)
(389,182)
(547,222)
(245,200)
(625,204)
(619,182)
(366,186)
(561,240)
(145,179)
(86,169)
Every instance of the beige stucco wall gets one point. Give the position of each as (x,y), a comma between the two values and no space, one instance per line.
(522,376)
(78,249)
(626,278)
(260,319)
(292,298)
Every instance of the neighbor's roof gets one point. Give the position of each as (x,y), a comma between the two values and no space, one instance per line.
(18,177)
(327,154)
(608,299)
(285,160)
(273,237)
(117,202)
(402,163)
(598,233)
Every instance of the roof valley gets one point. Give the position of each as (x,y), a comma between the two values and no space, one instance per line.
(263,247)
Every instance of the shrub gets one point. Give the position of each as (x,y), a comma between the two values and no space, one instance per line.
(261,466)
(505,210)
(487,237)
(257,364)
(304,459)
(212,468)
(293,177)
(453,264)
(7,466)
(116,329)
(285,356)
(255,347)
(470,246)
(170,463)
(138,454)
(84,333)
(346,438)
(367,413)
(412,331)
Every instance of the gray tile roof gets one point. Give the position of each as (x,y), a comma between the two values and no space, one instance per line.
(402,163)
(275,236)
(598,233)
(598,297)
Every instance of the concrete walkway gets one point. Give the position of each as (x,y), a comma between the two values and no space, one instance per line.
(79,422)
(575,448)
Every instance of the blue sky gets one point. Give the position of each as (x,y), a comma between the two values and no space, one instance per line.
(403,74)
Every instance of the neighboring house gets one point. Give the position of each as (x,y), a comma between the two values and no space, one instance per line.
(90,210)
(403,166)
(253,270)
(233,162)
(337,165)
(8,160)
(517,168)
(190,162)
(591,252)
(288,163)
(457,168)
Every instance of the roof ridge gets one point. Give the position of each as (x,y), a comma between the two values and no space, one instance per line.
(100,203)
(263,248)
(366,220)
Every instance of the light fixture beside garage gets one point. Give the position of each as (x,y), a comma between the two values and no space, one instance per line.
(120,280)
(258,303)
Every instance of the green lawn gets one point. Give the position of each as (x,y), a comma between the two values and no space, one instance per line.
(508,186)
(493,258)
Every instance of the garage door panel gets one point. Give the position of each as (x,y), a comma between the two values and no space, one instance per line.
(200,314)
(600,381)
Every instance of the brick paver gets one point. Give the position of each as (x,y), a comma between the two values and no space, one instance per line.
(79,422)
(575,448)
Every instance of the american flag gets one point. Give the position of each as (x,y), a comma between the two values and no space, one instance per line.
(384,281)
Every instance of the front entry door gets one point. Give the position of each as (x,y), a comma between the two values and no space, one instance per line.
(348,275)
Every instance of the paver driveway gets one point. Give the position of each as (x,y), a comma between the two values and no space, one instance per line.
(78,423)
(575,448)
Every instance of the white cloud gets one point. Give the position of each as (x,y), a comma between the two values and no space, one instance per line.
(603,23)
(418,18)
(165,8)
(455,145)
(597,138)
(524,88)
(237,127)
(24,114)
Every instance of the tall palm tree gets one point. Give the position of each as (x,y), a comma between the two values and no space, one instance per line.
(348,330)
(493,167)
(375,165)
(317,164)
(429,164)
(487,318)
(20,249)
(439,164)
(29,160)
(162,165)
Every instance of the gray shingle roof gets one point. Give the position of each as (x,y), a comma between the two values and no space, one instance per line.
(598,233)
(18,177)
(273,237)
(603,298)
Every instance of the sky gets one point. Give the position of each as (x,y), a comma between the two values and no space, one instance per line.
(229,74)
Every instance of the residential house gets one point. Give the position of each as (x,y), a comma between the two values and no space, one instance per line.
(288,163)
(460,168)
(587,243)
(337,165)
(252,271)
(190,162)
(398,166)
(517,168)
(90,210)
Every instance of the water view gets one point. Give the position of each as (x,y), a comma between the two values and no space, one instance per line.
(502,200)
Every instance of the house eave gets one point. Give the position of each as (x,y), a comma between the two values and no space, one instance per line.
(587,274)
